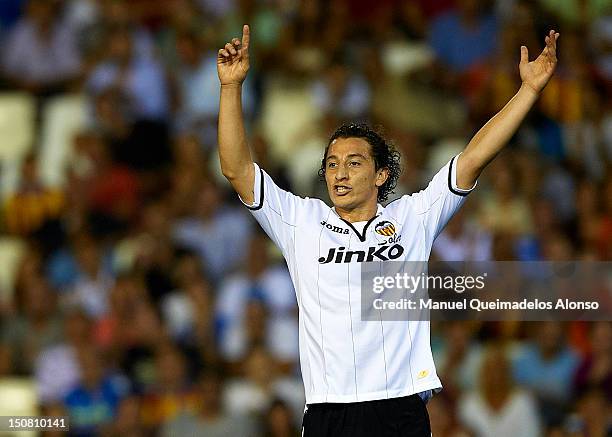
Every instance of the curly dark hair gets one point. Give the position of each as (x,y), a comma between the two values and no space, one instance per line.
(383,151)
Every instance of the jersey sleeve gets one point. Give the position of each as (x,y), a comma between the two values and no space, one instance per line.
(274,208)
(437,203)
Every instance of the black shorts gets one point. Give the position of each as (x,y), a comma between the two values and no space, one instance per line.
(406,417)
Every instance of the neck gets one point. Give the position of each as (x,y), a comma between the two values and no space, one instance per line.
(358,214)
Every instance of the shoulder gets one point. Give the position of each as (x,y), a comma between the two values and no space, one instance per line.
(395,203)
(399,206)
(316,204)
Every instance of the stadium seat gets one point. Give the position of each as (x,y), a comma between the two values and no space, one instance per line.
(17,117)
(11,252)
(62,118)
(288,115)
(18,398)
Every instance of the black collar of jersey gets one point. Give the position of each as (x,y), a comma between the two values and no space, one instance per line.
(362,236)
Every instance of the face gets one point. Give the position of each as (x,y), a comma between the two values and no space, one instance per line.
(350,173)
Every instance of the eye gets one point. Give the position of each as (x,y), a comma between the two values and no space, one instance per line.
(331,165)
(355,163)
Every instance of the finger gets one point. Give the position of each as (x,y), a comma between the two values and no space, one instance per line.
(224,53)
(236,42)
(230,48)
(552,45)
(553,39)
(524,55)
(246,37)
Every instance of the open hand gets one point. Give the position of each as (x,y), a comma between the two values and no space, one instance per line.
(233,60)
(536,74)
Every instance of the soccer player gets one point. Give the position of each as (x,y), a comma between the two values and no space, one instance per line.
(361,378)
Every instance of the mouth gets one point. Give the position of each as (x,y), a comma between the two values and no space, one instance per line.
(341,190)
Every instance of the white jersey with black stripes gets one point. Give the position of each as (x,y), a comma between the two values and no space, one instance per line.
(342,357)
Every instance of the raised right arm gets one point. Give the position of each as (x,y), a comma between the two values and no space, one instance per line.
(234,153)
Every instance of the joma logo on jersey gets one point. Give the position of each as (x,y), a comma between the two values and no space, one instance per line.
(385,228)
(380,253)
(333,228)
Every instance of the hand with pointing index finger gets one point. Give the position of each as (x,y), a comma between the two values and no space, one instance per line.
(233,59)
(537,73)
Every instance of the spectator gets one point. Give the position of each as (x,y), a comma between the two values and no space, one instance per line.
(595,370)
(57,368)
(127,420)
(110,189)
(105,17)
(591,417)
(215,231)
(463,37)
(463,241)
(35,326)
(52,59)
(150,251)
(459,359)
(92,404)
(497,407)
(188,311)
(505,210)
(211,419)
(279,421)
(172,393)
(198,89)
(32,205)
(93,283)
(545,365)
(343,93)
(268,285)
(142,337)
(546,224)
(444,422)
(261,384)
(141,79)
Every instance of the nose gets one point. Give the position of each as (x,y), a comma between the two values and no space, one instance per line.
(341,173)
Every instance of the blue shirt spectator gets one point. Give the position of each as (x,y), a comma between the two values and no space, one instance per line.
(462,38)
(142,79)
(40,50)
(198,89)
(546,366)
(90,407)
(220,241)
(94,401)
(549,376)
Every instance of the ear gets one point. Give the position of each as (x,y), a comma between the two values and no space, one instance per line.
(381,176)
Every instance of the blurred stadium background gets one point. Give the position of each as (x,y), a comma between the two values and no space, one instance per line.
(139,298)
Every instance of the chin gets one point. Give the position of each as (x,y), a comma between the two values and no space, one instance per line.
(343,202)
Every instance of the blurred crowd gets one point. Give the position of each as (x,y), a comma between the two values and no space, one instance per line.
(140,298)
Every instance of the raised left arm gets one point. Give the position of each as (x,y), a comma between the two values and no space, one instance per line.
(494,135)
